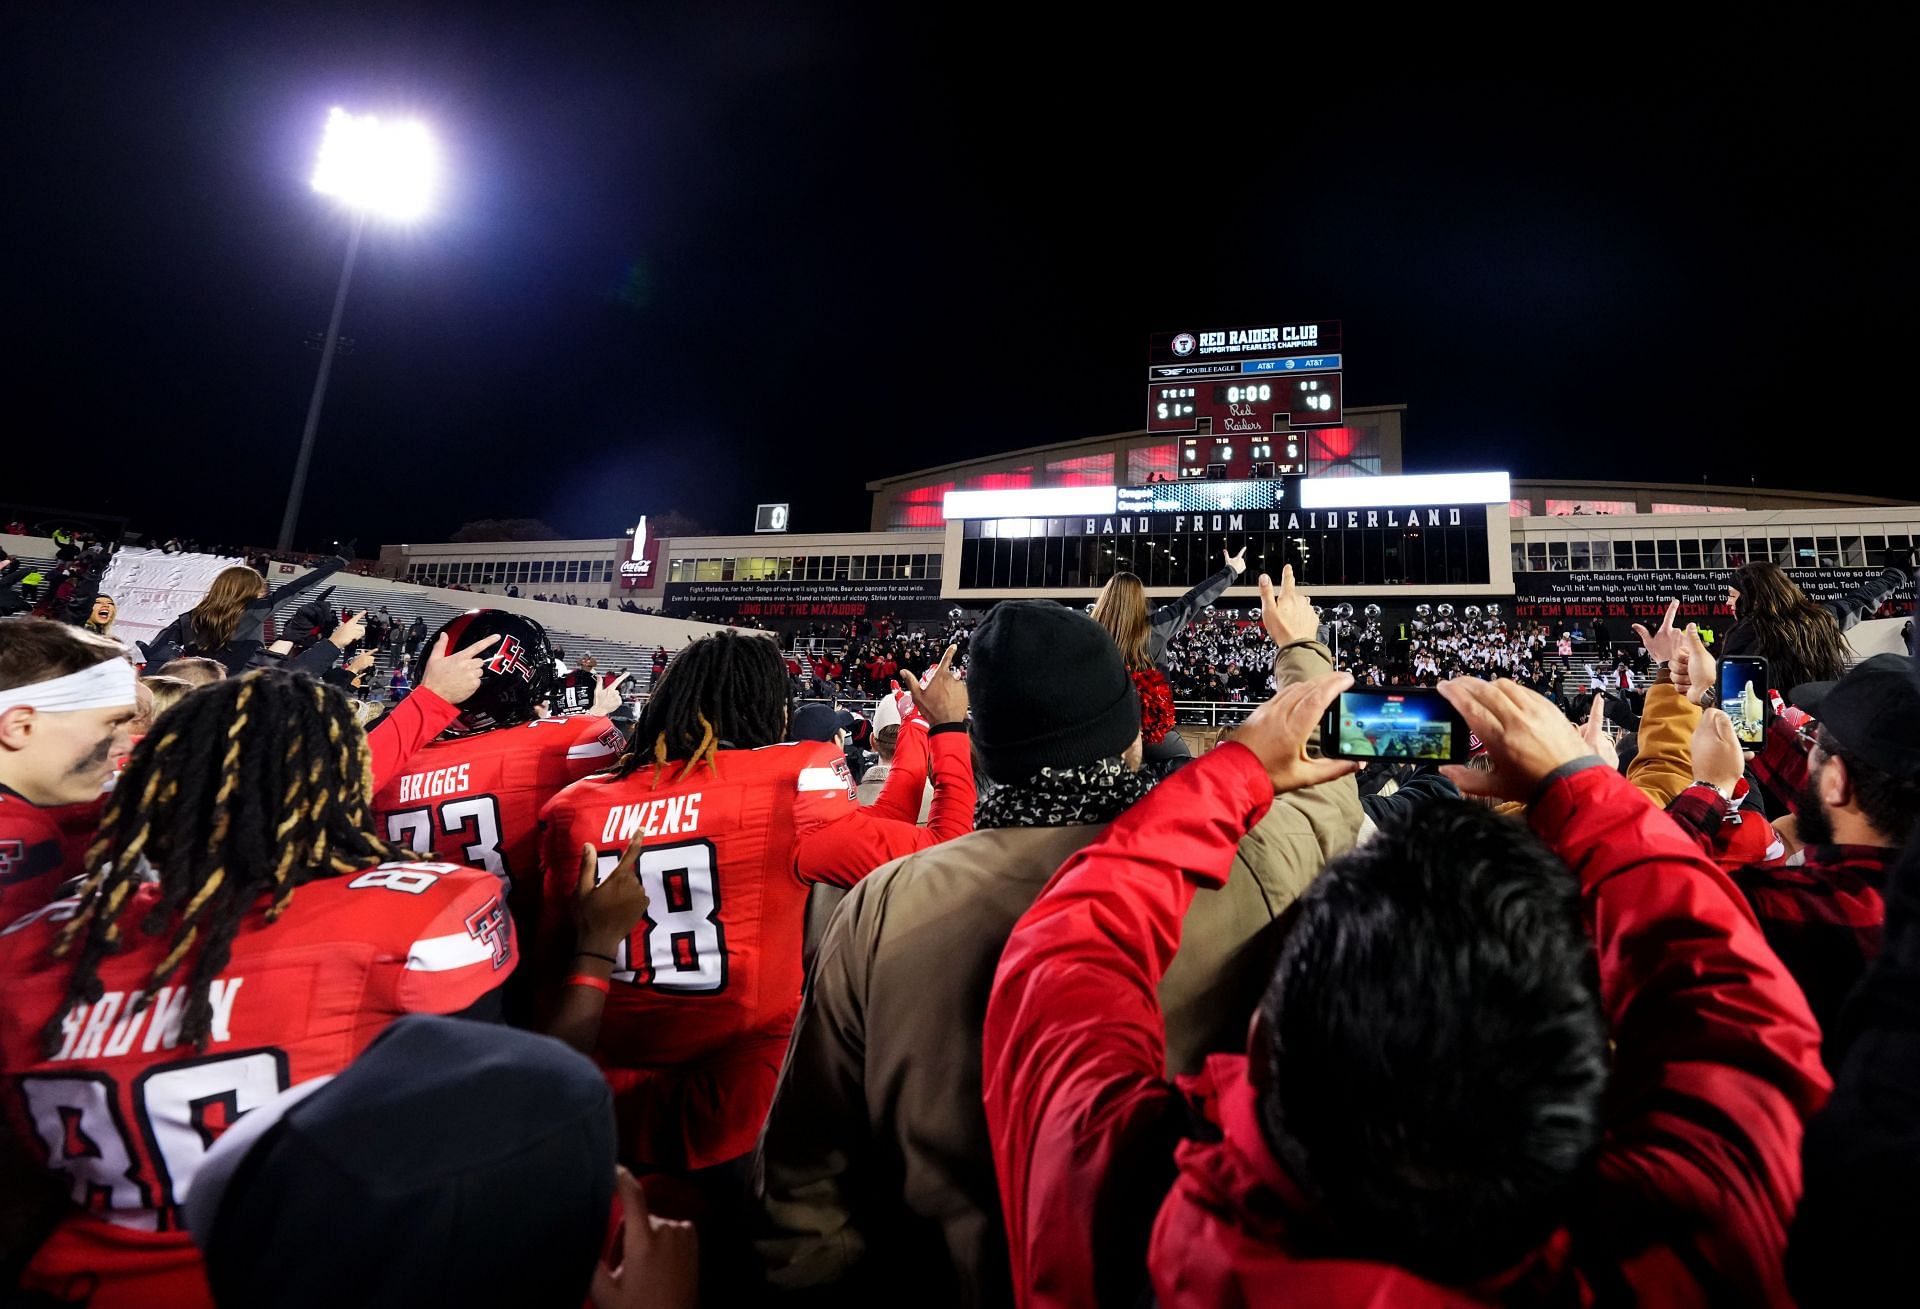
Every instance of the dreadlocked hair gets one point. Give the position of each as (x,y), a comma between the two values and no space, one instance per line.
(250,787)
(725,687)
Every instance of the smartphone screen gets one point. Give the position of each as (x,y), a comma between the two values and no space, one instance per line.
(1743,694)
(1405,723)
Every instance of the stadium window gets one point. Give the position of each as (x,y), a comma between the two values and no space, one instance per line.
(1689,553)
(840,568)
(1152,463)
(1519,557)
(1875,548)
(1580,555)
(1085,470)
(1712,555)
(1828,548)
(1853,552)
(727,568)
(1668,553)
(933,566)
(1643,555)
(1802,552)
(1557,556)
(1536,556)
(1603,554)
(859,568)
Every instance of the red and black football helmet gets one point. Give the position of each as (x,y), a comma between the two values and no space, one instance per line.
(520,670)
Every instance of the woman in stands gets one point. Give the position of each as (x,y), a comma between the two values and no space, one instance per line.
(1143,634)
(1800,640)
(229,623)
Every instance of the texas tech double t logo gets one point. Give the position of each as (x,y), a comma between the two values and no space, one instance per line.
(511,658)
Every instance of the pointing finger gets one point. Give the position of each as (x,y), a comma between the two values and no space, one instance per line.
(475,648)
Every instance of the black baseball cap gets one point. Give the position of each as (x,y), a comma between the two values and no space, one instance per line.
(453,1162)
(1873,712)
(818,722)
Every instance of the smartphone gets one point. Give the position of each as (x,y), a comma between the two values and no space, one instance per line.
(1743,694)
(1401,723)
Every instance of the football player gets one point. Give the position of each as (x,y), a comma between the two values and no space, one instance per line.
(67,702)
(689,1013)
(239,931)
(475,793)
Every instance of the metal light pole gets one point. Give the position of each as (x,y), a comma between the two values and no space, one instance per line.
(369,166)
(299,487)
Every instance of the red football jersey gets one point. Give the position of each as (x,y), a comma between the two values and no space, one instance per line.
(40,848)
(718,954)
(127,1112)
(478,798)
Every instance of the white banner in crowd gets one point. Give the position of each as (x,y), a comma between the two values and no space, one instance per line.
(152,588)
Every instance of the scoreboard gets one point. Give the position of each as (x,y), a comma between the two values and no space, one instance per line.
(1244,392)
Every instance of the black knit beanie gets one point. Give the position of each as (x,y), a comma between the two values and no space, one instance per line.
(1048,690)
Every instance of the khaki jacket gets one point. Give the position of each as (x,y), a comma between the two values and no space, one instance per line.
(874,1170)
(1663,767)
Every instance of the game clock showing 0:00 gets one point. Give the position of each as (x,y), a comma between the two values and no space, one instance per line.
(1306,401)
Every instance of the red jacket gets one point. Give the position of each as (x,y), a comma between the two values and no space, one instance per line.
(1716,1068)
(1730,836)
(404,731)
(42,847)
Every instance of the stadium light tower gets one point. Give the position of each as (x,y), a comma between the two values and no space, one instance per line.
(372,167)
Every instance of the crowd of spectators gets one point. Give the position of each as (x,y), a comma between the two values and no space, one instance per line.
(313,1005)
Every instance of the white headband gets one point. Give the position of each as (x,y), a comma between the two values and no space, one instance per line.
(107,685)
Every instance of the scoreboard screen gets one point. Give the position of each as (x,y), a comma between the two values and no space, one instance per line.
(1247,388)
(1235,457)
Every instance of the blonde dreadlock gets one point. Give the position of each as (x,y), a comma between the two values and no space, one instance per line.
(725,688)
(254,785)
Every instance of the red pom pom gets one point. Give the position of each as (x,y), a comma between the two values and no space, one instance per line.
(1156,705)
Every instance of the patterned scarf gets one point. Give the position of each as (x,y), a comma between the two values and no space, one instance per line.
(1098,792)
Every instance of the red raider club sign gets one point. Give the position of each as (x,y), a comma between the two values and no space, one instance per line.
(637,571)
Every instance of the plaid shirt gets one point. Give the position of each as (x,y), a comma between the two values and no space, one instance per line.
(1781,763)
(1824,917)
(1727,834)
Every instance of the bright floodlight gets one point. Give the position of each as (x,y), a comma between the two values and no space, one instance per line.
(388,169)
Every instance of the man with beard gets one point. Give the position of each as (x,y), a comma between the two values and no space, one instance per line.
(1823,910)
(66,699)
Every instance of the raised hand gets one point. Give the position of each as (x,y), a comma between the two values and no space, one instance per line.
(1526,736)
(1717,756)
(1237,562)
(1277,734)
(1594,732)
(454,677)
(350,630)
(1691,667)
(1285,613)
(1660,642)
(606,912)
(942,697)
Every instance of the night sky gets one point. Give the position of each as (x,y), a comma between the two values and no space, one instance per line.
(689,260)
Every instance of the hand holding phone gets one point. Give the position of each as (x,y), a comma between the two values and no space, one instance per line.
(1410,724)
